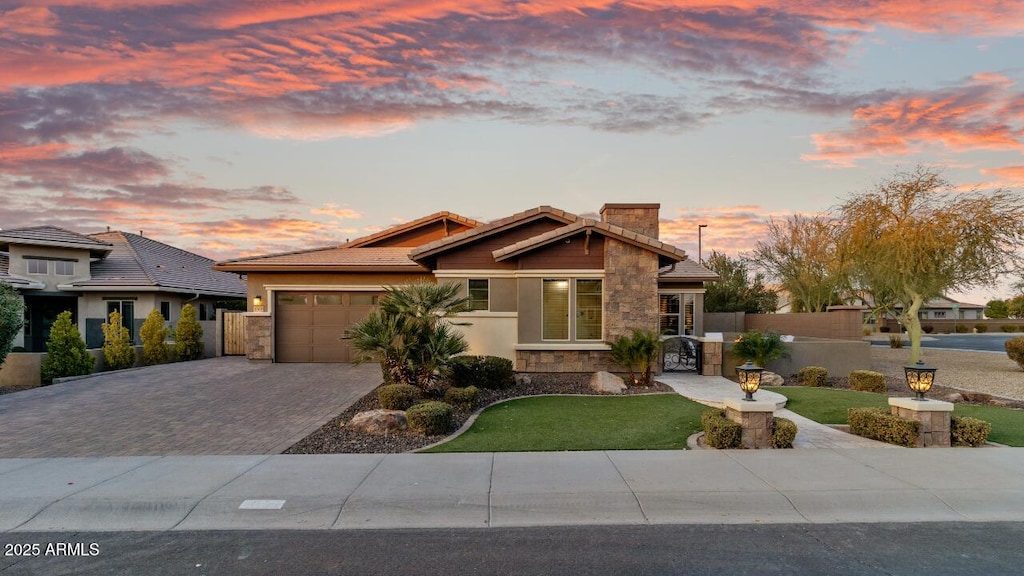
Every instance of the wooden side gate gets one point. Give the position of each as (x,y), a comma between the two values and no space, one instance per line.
(234,333)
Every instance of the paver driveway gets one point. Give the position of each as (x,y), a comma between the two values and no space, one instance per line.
(216,406)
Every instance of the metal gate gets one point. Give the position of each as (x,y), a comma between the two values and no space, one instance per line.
(682,354)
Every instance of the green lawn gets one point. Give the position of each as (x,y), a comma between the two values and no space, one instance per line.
(830,406)
(546,423)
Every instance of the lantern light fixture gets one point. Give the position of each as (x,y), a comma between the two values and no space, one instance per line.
(920,378)
(750,379)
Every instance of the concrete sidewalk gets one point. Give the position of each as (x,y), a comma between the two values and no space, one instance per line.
(511,489)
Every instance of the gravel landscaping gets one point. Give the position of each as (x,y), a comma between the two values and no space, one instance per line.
(335,438)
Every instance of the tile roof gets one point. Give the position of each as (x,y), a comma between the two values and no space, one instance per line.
(443,244)
(137,261)
(583,224)
(412,225)
(338,257)
(51,236)
(687,271)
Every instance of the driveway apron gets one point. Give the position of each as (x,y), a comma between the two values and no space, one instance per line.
(216,406)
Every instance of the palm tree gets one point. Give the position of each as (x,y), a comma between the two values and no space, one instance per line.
(412,335)
(637,352)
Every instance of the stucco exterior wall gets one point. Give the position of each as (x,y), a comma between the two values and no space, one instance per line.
(19,266)
(490,334)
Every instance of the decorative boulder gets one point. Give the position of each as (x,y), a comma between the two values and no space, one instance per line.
(771,379)
(523,379)
(954,397)
(607,382)
(379,421)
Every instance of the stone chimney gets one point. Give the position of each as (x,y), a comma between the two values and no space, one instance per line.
(640,218)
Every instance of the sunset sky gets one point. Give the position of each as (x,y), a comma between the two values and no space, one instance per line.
(232,128)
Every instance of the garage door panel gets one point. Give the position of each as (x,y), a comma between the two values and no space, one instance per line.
(310,326)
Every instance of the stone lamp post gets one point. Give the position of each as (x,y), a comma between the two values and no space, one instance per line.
(754,416)
(933,416)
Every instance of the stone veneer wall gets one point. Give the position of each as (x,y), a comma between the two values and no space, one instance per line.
(630,289)
(565,361)
(640,218)
(259,339)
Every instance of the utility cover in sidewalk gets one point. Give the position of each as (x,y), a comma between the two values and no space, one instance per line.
(261,505)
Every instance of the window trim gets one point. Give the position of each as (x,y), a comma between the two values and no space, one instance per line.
(29,261)
(575,312)
(56,267)
(569,310)
(681,315)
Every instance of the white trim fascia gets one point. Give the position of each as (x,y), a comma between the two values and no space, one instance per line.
(563,346)
(560,273)
(266,314)
(682,291)
(485,314)
(325,287)
(73,288)
(475,273)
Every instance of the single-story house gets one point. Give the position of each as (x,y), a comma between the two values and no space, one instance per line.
(92,275)
(548,288)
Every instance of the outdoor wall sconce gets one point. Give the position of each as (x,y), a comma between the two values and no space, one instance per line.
(257,302)
(920,378)
(750,379)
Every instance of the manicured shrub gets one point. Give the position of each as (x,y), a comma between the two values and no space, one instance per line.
(118,351)
(981,328)
(1015,350)
(867,381)
(12,318)
(430,418)
(1008,328)
(719,431)
(967,431)
(65,351)
(492,372)
(188,336)
(895,341)
(927,328)
(397,396)
(885,329)
(962,329)
(154,334)
(783,433)
(879,424)
(813,376)
(464,398)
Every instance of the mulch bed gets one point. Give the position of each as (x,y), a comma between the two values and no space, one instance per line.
(335,438)
(898,388)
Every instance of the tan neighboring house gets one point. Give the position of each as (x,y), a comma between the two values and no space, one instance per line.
(548,288)
(54,270)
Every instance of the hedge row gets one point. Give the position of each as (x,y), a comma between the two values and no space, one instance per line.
(481,371)
(867,381)
(720,432)
(879,424)
(967,431)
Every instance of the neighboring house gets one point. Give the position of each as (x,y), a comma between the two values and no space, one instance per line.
(547,287)
(941,308)
(92,275)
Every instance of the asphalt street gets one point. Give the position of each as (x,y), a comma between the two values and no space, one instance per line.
(983,342)
(965,549)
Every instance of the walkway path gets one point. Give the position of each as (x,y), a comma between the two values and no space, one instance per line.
(712,390)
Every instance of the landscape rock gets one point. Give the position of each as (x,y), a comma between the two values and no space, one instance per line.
(523,379)
(771,379)
(954,397)
(379,421)
(606,382)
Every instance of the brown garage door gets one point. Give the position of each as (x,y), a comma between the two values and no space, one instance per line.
(310,325)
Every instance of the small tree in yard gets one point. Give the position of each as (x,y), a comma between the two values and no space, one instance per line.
(154,335)
(913,238)
(411,334)
(737,290)
(760,347)
(66,354)
(12,318)
(118,351)
(188,337)
(638,354)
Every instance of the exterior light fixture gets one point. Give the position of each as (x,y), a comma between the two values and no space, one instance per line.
(257,302)
(750,379)
(920,378)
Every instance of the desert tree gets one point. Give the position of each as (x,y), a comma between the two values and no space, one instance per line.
(739,289)
(913,237)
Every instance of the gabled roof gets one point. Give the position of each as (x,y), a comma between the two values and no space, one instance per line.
(443,216)
(665,251)
(140,262)
(53,236)
(335,259)
(500,225)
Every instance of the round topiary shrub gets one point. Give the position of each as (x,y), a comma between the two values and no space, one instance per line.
(464,398)
(962,329)
(927,328)
(981,328)
(493,372)
(1015,350)
(430,418)
(967,431)
(1008,328)
(867,381)
(813,376)
(66,353)
(397,396)
(719,431)
(783,433)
